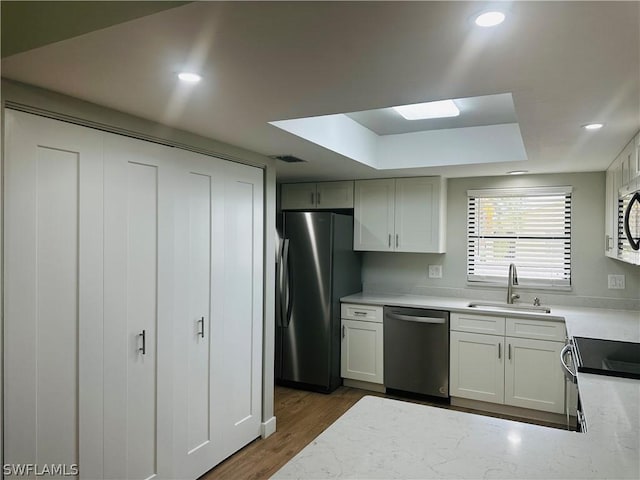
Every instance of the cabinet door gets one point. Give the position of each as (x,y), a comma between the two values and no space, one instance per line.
(53,291)
(362,351)
(477,367)
(418,215)
(138,293)
(298,196)
(374,215)
(334,194)
(533,376)
(237,306)
(611,215)
(635,157)
(197,441)
(628,163)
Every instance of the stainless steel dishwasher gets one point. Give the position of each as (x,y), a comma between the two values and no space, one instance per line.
(416,350)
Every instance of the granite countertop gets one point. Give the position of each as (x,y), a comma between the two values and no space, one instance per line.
(384,438)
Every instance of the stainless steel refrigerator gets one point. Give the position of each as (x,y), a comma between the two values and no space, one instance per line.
(316,266)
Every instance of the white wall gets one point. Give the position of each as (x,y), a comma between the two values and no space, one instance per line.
(407,273)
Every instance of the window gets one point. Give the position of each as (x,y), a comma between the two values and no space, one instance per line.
(530,227)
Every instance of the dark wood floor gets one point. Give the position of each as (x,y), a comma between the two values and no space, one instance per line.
(301,417)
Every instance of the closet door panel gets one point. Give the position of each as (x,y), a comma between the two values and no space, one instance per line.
(199,302)
(239,326)
(138,241)
(196,438)
(53,294)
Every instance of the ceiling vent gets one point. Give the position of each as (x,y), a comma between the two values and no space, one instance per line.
(288,158)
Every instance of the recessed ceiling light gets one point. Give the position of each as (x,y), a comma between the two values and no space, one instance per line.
(490,19)
(518,172)
(189,77)
(421,111)
(593,126)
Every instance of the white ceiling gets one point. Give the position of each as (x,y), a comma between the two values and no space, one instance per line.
(566,64)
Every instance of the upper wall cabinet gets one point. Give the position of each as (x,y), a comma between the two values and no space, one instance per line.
(623,173)
(400,215)
(309,196)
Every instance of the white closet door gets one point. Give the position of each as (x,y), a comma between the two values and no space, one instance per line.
(138,308)
(53,294)
(237,312)
(197,440)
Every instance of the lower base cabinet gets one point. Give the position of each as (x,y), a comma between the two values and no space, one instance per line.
(477,367)
(532,377)
(362,351)
(362,343)
(521,372)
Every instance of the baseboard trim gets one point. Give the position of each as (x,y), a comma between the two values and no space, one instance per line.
(374,387)
(268,428)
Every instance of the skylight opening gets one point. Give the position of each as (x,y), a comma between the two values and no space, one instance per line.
(422,111)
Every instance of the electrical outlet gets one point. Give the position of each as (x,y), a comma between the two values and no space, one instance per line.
(435,271)
(616,282)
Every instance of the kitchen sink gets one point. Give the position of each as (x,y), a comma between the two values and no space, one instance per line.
(510,307)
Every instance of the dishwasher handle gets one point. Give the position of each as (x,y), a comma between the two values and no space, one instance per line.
(414,318)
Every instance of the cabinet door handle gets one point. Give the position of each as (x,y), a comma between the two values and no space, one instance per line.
(359,313)
(343,331)
(318,198)
(509,351)
(397,240)
(389,240)
(499,351)
(143,348)
(312,202)
(201,330)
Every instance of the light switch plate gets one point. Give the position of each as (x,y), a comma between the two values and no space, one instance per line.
(435,271)
(616,282)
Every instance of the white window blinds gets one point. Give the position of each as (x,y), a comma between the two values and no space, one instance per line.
(530,227)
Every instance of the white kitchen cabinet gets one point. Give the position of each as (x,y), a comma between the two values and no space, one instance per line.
(477,367)
(373,221)
(400,215)
(133,322)
(334,194)
(521,369)
(634,168)
(469,322)
(322,195)
(532,378)
(298,196)
(624,172)
(611,214)
(362,343)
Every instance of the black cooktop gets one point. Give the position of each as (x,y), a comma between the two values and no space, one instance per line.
(608,357)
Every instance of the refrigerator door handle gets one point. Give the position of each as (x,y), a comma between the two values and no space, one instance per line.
(279,284)
(285,305)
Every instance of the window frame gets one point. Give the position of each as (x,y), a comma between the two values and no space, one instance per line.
(500,281)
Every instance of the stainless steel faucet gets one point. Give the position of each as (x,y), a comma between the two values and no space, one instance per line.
(511,281)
